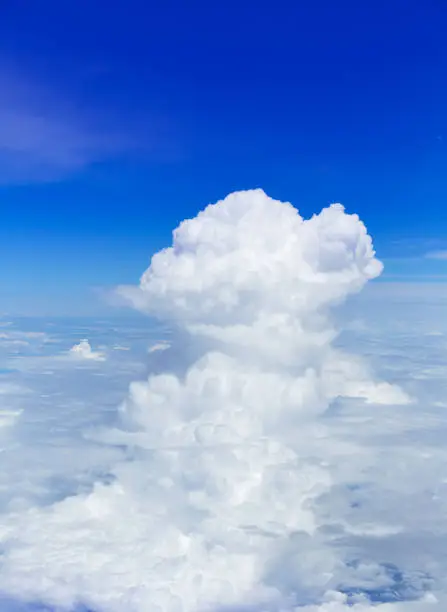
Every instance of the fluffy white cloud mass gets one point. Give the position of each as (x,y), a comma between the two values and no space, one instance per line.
(246,471)
(83,350)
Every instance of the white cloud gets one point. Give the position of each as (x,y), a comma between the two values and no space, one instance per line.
(11,389)
(266,467)
(83,350)
(23,336)
(9,417)
(159,346)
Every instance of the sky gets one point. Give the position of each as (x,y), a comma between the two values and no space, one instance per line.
(216,402)
(117,121)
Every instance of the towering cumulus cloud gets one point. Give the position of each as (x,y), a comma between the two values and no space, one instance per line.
(215,507)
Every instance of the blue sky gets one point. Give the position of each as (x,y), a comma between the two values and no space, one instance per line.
(116,122)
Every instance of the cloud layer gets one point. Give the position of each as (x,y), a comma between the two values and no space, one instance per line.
(239,486)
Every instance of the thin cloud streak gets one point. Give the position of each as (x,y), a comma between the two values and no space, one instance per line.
(440,255)
(44,137)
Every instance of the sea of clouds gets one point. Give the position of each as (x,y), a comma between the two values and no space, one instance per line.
(267,440)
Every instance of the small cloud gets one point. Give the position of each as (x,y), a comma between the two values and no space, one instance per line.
(83,350)
(12,389)
(22,338)
(15,343)
(8,417)
(440,255)
(160,346)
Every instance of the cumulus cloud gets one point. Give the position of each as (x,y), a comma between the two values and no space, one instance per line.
(236,490)
(83,350)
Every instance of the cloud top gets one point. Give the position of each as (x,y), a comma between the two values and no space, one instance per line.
(250,253)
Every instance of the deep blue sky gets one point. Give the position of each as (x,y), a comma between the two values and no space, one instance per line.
(117,120)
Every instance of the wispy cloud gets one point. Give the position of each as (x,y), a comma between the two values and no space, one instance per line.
(441,254)
(45,137)
(34,146)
